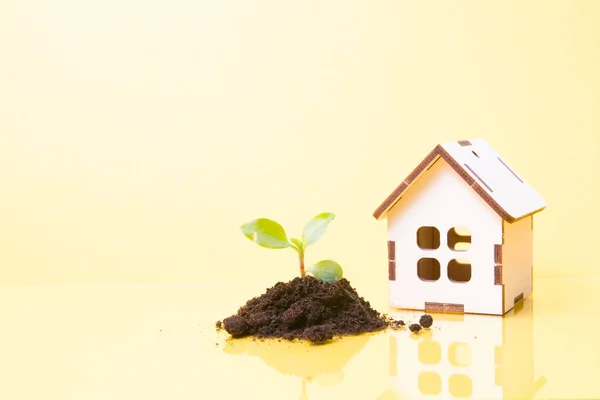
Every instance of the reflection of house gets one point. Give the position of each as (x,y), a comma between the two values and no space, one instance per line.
(460,232)
(469,356)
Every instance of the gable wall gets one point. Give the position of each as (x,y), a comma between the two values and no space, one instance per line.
(441,198)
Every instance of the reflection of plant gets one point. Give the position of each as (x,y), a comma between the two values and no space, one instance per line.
(319,365)
(270,234)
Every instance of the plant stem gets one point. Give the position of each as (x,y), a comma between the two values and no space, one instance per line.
(301,257)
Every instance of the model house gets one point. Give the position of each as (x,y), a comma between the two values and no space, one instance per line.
(460,232)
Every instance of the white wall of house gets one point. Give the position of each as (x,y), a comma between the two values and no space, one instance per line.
(517,260)
(442,199)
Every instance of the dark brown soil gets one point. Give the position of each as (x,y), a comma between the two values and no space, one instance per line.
(307,309)
(415,328)
(396,324)
(426,321)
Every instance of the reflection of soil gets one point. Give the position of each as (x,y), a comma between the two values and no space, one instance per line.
(389,395)
(322,363)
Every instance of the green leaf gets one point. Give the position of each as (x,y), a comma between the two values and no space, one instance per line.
(316,227)
(266,233)
(298,244)
(326,270)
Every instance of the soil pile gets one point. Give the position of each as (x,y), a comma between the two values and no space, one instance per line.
(307,309)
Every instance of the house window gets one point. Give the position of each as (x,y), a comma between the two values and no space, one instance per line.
(428,238)
(459,270)
(428,269)
(459,239)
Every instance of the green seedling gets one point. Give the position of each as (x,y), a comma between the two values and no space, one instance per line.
(269,234)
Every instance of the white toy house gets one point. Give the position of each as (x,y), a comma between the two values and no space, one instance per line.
(460,232)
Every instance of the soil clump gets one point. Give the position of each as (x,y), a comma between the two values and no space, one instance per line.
(307,309)
(426,321)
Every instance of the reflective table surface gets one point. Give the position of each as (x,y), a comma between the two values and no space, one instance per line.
(159,342)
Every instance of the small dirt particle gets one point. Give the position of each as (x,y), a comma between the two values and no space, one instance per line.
(219,324)
(396,324)
(426,321)
(415,328)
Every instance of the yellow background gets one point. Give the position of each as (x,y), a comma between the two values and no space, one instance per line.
(136,137)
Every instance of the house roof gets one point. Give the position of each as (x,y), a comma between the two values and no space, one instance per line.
(505,191)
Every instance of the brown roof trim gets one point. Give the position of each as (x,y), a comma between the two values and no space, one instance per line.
(431,157)
(455,165)
(492,203)
(391,199)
